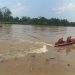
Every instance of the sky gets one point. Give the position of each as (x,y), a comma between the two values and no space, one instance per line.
(62,9)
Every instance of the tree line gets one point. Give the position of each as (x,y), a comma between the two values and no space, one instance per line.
(6,17)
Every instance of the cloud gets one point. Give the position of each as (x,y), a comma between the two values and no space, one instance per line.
(18,9)
(67,7)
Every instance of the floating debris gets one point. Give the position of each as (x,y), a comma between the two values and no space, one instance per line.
(52,58)
(68,64)
(33,56)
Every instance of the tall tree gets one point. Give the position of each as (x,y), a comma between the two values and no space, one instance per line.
(6,13)
(1,15)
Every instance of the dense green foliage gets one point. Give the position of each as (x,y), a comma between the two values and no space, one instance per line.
(5,17)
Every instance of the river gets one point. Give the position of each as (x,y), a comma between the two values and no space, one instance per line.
(35,32)
(38,33)
(20,40)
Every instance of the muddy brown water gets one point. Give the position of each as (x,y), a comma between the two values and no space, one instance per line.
(24,50)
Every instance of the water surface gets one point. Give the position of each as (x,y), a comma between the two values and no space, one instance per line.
(34,32)
(20,40)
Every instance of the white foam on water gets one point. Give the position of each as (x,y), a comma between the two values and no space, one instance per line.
(40,50)
(17,54)
(22,53)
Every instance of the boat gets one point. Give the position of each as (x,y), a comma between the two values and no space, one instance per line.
(65,43)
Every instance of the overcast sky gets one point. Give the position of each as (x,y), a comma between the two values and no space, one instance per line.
(47,8)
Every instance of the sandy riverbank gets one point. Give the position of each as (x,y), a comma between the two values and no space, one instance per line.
(21,58)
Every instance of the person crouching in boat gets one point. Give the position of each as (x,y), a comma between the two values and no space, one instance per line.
(69,39)
(60,41)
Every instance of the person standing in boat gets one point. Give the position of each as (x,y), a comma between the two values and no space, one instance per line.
(69,39)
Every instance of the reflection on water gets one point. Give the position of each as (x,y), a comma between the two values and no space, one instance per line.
(67,49)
